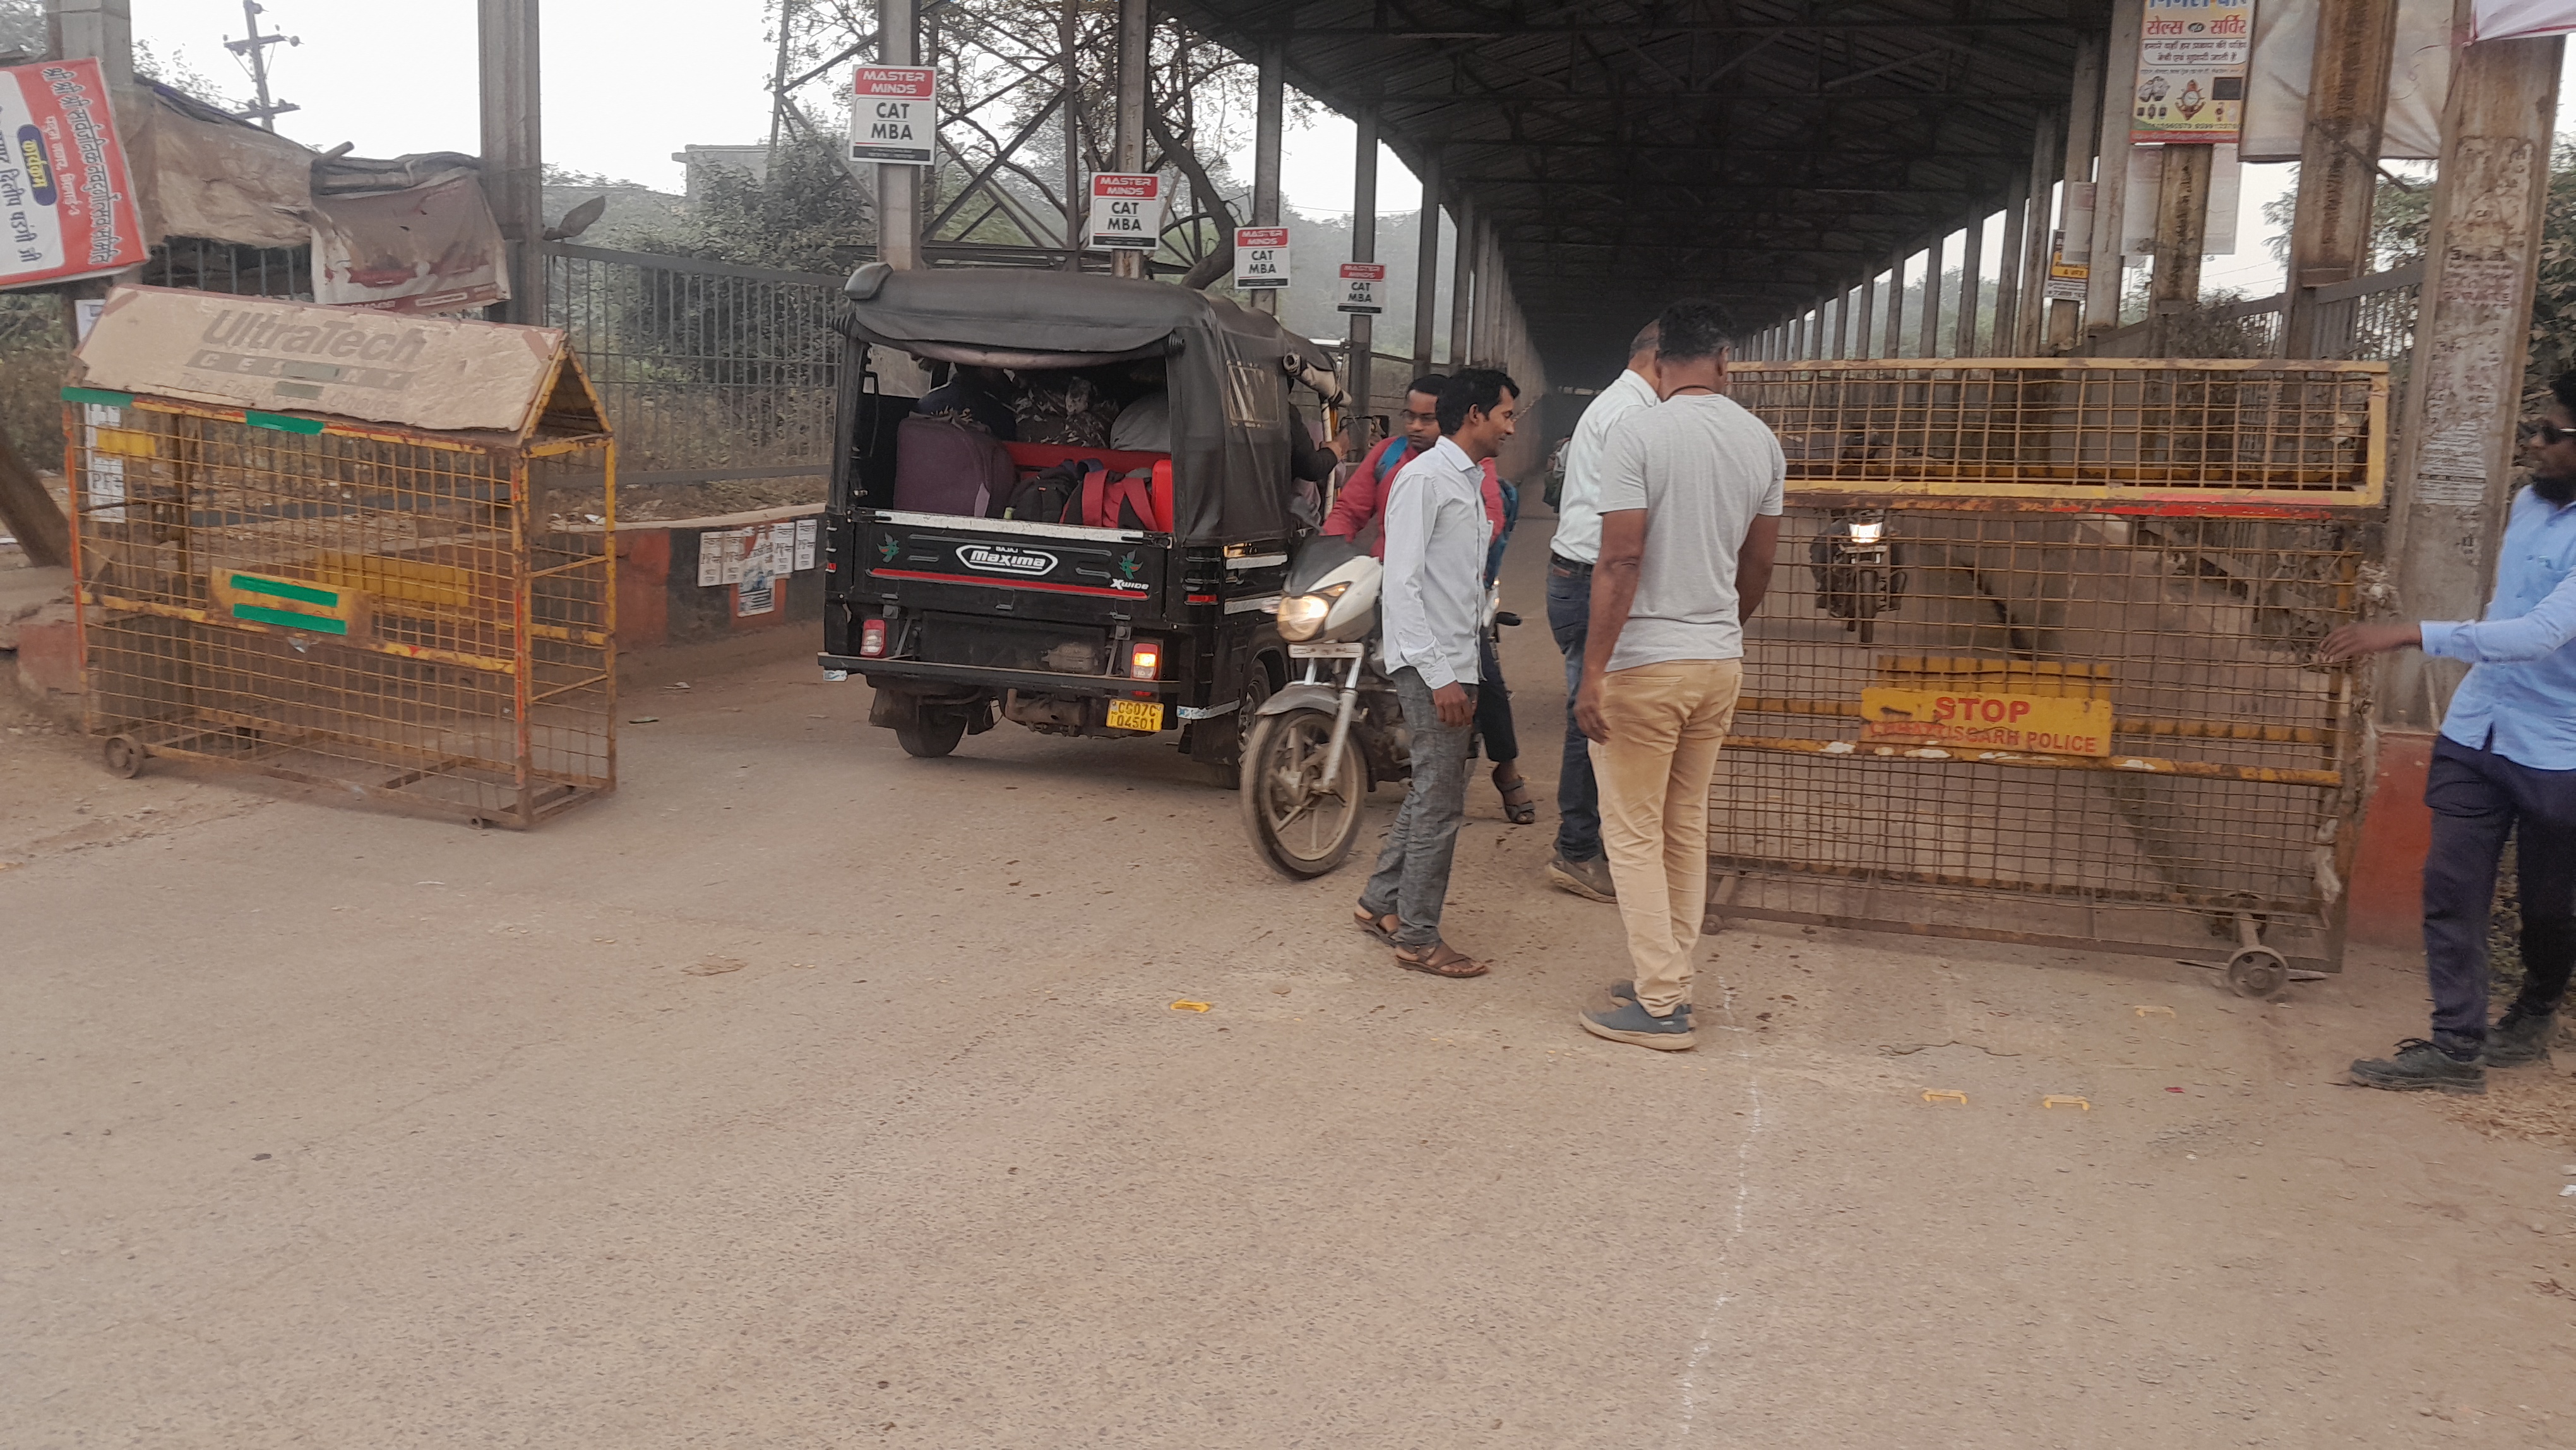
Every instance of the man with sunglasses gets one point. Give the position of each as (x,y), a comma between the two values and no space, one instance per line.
(2505,764)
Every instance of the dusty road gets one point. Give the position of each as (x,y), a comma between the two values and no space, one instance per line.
(804,1094)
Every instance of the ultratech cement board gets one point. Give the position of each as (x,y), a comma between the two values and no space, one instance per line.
(303,357)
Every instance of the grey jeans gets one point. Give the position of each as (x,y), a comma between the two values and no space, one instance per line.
(1412,876)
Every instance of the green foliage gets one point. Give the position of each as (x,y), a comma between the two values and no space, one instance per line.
(2400,214)
(2553,302)
(807,215)
(35,352)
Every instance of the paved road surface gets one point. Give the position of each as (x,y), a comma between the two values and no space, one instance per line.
(807,1095)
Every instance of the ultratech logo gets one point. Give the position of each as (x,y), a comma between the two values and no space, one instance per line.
(1030,562)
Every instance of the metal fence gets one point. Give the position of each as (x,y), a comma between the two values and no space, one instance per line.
(2021,724)
(2187,431)
(709,371)
(2368,319)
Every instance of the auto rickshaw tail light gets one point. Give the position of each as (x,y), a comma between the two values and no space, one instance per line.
(872,639)
(1145,660)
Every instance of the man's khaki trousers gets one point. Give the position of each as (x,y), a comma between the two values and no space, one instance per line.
(1666,724)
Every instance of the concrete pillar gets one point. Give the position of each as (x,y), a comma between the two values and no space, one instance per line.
(1462,284)
(2075,208)
(102,30)
(1896,303)
(2008,269)
(2454,467)
(1971,267)
(1135,58)
(513,148)
(2182,232)
(1842,325)
(1426,265)
(2111,171)
(1862,338)
(1363,249)
(1269,108)
(2030,315)
(1928,344)
(2338,159)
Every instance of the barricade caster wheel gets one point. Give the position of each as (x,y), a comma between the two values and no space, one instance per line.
(2257,972)
(124,757)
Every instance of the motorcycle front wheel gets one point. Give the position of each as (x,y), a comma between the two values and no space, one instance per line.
(1302,824)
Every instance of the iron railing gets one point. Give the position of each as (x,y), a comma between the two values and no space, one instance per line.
(709,371)
(2368,319)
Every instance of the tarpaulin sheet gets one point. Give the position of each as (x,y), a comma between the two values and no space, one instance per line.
(1224,367)
(426,248)
(2419,77)
(218,178)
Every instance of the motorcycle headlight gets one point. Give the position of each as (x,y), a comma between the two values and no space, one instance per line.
(1301,616)
(1867,533)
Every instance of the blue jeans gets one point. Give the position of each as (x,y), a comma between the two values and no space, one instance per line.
(1412,876)
(2477,798)
(1578,797)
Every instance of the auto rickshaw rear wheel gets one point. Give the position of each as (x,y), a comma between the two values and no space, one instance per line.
(931,731)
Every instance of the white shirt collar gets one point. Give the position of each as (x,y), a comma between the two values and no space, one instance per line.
(1455,456)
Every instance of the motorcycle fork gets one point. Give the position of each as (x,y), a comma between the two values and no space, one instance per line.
(1341,718)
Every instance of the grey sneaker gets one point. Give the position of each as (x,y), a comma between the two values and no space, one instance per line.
(1587,879)
(2521,1038)
(1631,1023)
(2419,1065)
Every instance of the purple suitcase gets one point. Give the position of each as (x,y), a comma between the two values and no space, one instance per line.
(945,466)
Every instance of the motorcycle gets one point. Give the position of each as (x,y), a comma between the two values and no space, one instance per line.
(1317,747)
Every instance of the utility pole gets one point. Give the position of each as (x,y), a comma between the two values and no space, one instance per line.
(1135,57)
(1269,111)
(1363,249)
(2075,228)
(899,186)
(253,50)
(513,148)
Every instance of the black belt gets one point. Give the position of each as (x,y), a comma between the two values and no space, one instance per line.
(1562,562)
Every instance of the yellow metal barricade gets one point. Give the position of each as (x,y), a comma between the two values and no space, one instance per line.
(2037,660)
(420,617)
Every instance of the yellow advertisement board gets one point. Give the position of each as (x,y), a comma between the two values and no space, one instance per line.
(2036,724)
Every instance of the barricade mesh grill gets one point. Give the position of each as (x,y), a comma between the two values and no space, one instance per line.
(406,617)
(2303,432)
(2221,785)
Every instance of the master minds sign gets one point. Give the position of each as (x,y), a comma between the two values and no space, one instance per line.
(1260,257)
(1126,212)
(894,115)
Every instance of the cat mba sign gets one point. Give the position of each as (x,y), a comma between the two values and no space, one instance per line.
(1260,257)
(1359,287)
(1126,212)
(894,115)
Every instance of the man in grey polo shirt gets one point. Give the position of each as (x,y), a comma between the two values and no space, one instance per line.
(1691,493)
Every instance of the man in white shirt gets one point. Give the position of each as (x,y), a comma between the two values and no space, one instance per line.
(1436,530)
(1691,493)
(1578,865)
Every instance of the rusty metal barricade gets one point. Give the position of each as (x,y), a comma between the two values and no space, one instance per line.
(2037,659)
(422,617)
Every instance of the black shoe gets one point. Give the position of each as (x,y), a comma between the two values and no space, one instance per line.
(2521,1039)
(2419,1065)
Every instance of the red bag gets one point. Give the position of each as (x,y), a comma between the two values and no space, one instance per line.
(1124,502)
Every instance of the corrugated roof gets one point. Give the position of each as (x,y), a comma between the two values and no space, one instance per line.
(1760,152)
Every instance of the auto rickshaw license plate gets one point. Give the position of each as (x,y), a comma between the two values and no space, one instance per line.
(1135,715)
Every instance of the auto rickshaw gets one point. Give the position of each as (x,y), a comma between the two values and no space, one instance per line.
(1157,619)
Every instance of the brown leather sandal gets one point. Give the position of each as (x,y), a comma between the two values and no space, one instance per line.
(1381,927)
(1440,960)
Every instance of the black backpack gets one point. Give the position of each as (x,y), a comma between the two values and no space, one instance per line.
(1044,496)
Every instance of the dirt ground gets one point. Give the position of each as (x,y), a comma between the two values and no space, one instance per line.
(803,1094)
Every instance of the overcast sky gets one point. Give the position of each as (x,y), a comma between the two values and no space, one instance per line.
(628,82)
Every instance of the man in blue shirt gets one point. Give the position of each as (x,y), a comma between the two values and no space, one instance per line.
(2505,764)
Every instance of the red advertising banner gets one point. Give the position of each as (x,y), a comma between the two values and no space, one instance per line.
(66,200)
